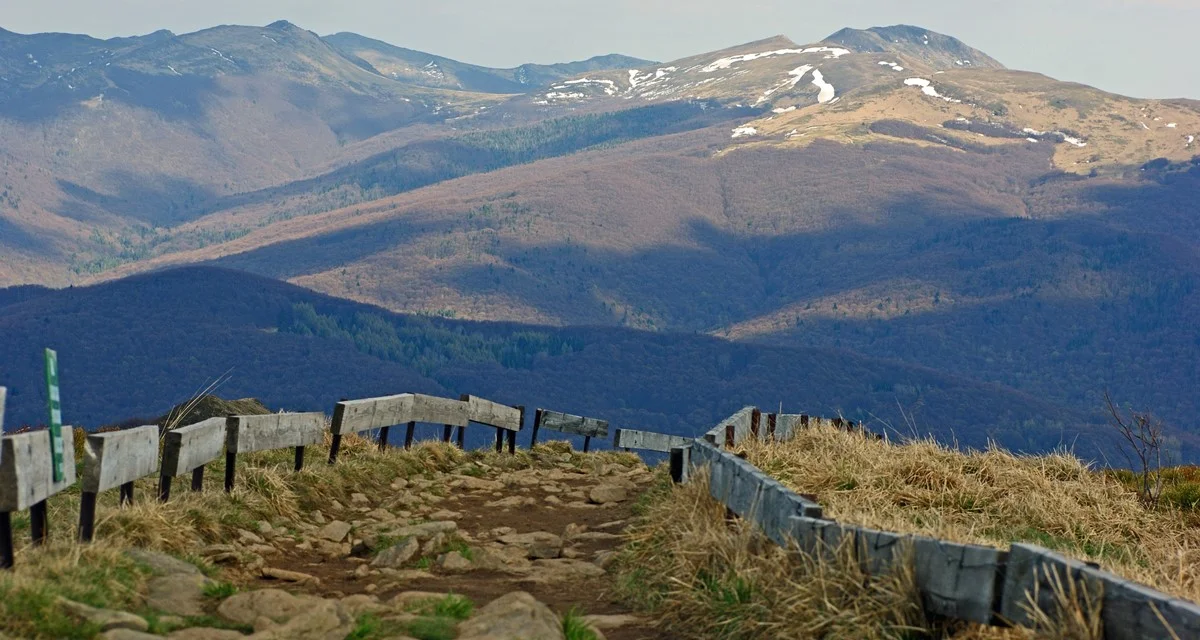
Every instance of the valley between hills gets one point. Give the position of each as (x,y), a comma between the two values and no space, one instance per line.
(887,223)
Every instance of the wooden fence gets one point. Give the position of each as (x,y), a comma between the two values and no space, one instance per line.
(967,582)
(117,459)
(974,583)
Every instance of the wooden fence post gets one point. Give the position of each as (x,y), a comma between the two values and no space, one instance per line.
(447,432)
(512,435)
(336,446)
(198,478)
(755,422)
(87,516)
(6,541)
(39,523)
(408,435)
(730,439)
(299,458)
(537,424)
(771,421)
(126,493)
(383,438)
(164,487)
(230,465)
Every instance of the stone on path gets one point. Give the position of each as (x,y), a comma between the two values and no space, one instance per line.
(396,555)
(454,562)
(608,493)
(180,594)
(205,633)
(609,622)
(289,576)
(514,616)
(161,563)
(335,531)
(539,544)
(279,615)
(106,619)
(127,634)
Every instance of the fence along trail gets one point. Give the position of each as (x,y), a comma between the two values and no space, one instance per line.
(974,583)
(967,582)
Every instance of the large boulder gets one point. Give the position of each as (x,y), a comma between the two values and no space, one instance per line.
(515,616)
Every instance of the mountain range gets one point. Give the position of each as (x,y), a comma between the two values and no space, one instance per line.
(891,192)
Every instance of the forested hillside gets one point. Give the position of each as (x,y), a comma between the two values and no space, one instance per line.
(135,347)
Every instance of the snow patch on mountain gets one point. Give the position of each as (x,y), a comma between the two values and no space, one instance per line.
(609,87)
(725,63)
(928,89)
(744,131)
(827,93)
(894,65)
(223,56)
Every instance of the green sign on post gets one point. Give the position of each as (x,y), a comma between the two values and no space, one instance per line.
(56,441)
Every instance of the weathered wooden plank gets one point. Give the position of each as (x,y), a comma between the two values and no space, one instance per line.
(648,440)
(356,416)
(741,426)
(817,537)
(787,424)
(26,474)
(879,552)
(3,396)
(1129,610)
(193,446)
(353,416)
(437,410)
(578,425)
(957,580)
(493,414)
(244,434)
(114,458)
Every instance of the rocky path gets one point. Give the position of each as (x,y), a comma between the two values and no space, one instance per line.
(484,534)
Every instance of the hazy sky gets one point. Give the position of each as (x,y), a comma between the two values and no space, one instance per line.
(1144,48)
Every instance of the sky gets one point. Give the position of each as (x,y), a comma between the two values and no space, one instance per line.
(1141,48)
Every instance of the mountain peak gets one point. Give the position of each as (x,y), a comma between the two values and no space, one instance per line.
(935,49)
(282,25)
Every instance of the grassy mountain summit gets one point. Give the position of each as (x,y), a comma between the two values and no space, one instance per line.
(934,49)
(431,70)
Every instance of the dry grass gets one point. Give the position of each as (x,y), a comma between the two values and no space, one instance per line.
(267,489)
(990,497)
(705,577)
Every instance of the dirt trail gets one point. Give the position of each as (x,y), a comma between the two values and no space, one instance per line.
(547,506)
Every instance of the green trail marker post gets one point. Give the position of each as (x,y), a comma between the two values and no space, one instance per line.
(56,440)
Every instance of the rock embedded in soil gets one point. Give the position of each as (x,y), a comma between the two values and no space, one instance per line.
(425,530)
(127,634)
(512,616)
(453,562)
(106,619)
(161,563)
(181,594)
(539,544)
(608,493)
(335,531)
(205,633)
(396,555)
(289,576)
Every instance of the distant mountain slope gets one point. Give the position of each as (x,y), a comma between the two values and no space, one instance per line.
(425,69)
(135,347)
(855,85)
(938,51)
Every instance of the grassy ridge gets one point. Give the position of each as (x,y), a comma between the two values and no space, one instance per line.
(708,577)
